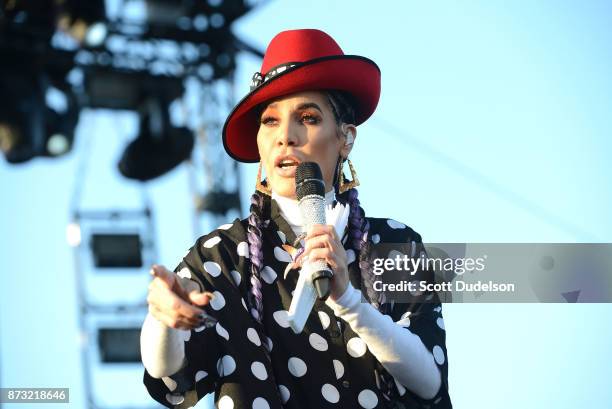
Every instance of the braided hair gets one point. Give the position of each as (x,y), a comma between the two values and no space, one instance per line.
(358,233)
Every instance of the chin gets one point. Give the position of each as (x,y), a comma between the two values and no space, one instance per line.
(286,189)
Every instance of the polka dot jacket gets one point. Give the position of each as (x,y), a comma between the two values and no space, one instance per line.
(325,366)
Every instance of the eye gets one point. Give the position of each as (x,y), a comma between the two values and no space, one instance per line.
(310,119)
(268,120)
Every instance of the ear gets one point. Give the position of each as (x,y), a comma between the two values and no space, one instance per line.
(349,132)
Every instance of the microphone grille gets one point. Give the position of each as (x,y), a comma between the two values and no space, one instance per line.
(309,180)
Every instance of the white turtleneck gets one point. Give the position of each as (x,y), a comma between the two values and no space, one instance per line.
(399,350)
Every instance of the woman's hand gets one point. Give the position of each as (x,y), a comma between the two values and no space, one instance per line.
(172,300)
(322,243)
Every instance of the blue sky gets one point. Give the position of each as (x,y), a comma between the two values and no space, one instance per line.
(493,126)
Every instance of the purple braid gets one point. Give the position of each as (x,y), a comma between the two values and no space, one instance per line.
(256,255)
(255,239)
(359,229)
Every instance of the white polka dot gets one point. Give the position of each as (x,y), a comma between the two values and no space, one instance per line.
(175,399)
(170,383)
(225,226)
(218,301)
(356,347)
(268,274)
(269,343)
(440,322)
(281,318)
(200,375)
(284,392)
(338,368)
(259,371)
(400,387)
(367,399)
(260,403)
(212,268)
(437,309)
(350,255)
(243,249)
(222,331)
(244,304)
(236,277)
(375,238)
(394,224)
(324,319)
(225,403)
(201,328)
(212,242)
(297,367)
(253,336)
(394,254)
(282,236)
(255,314)
(438,354)
(318,342)
(281,255)
(226,365)
(404,321)
(330,393)
(184,273)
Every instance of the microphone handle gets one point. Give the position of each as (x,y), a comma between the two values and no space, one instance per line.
(313,212)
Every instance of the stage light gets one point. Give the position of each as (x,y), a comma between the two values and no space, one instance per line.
(218,202)
(116,250)
(84,21)
(121,89)
(119,345)
(96,34)
(36,118)
(159,147)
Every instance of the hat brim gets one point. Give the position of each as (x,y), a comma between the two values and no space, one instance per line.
(359,76)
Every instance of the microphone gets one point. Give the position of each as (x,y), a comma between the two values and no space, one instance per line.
(314,279)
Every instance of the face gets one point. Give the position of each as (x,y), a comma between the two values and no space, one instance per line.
(299,128)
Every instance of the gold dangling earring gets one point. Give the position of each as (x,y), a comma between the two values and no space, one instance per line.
(260,187)
(343,184)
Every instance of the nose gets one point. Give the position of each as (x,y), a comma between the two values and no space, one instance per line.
(287,135)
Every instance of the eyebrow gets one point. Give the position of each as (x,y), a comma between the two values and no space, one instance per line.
(302,106)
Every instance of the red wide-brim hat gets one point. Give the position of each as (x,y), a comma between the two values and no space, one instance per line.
(295,61)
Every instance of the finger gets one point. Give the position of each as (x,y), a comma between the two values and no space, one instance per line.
(175,320)
(316,242)
(200,298)
(333,259)
(168,301)
(317,229)
(169,280)
(320,254)
(324,241)
(163,274)
(164,319)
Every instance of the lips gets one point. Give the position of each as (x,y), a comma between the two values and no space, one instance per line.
(285,165)
(286,161)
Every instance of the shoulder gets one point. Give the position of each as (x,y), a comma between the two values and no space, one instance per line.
(227,241)
(386,230)
(234,232)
